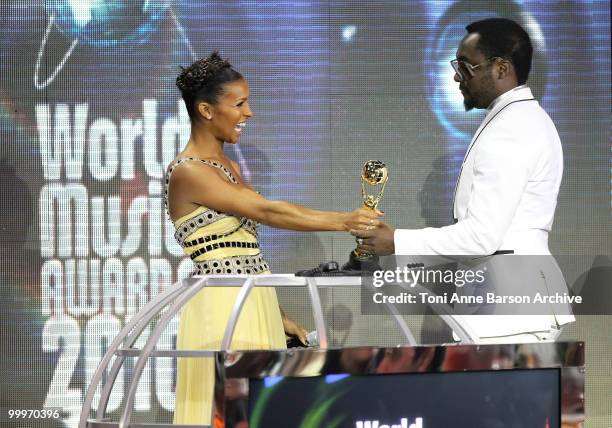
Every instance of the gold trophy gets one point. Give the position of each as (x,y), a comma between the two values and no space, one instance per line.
(374,176)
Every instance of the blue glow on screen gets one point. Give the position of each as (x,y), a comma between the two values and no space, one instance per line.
(270,381)
(333,378)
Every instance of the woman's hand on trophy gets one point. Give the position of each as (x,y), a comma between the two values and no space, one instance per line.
(363,219)
(377,241)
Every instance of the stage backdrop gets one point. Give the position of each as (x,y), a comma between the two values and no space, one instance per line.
(90,118)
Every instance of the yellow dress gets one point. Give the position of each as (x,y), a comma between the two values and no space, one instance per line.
(219,244)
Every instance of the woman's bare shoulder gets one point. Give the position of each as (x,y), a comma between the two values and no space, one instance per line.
(187,170)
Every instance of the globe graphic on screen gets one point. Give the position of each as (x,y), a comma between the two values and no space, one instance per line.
(107,23)
(446,99)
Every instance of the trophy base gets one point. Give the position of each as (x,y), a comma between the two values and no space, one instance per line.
(361,263)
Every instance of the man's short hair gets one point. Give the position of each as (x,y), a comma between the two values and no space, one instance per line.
(504,38)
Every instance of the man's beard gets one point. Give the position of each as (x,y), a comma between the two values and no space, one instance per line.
(468,100)
(477,98)
(468,103)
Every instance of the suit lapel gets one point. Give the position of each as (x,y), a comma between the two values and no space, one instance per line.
(508,98)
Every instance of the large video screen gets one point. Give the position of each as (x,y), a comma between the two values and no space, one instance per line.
(90,117)
(503,398)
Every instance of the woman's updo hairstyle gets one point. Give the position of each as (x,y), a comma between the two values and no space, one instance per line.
(204,79)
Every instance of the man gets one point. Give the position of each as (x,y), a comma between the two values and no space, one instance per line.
(506,194)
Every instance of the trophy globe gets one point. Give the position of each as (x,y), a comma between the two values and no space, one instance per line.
(374,177)
(374,173)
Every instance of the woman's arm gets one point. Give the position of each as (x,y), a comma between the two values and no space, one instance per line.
(201,184)
(293,329)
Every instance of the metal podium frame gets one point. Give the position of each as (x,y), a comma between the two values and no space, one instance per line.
(176,296)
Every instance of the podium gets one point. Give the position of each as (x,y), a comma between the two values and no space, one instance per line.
(568,359)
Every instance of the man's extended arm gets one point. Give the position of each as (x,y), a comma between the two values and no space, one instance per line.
(501,171)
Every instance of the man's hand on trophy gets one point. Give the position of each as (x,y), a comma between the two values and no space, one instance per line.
(362,219)
(378,240)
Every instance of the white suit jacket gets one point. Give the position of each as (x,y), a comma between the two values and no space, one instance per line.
(505,198)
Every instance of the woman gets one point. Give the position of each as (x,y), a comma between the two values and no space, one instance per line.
(216,214)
